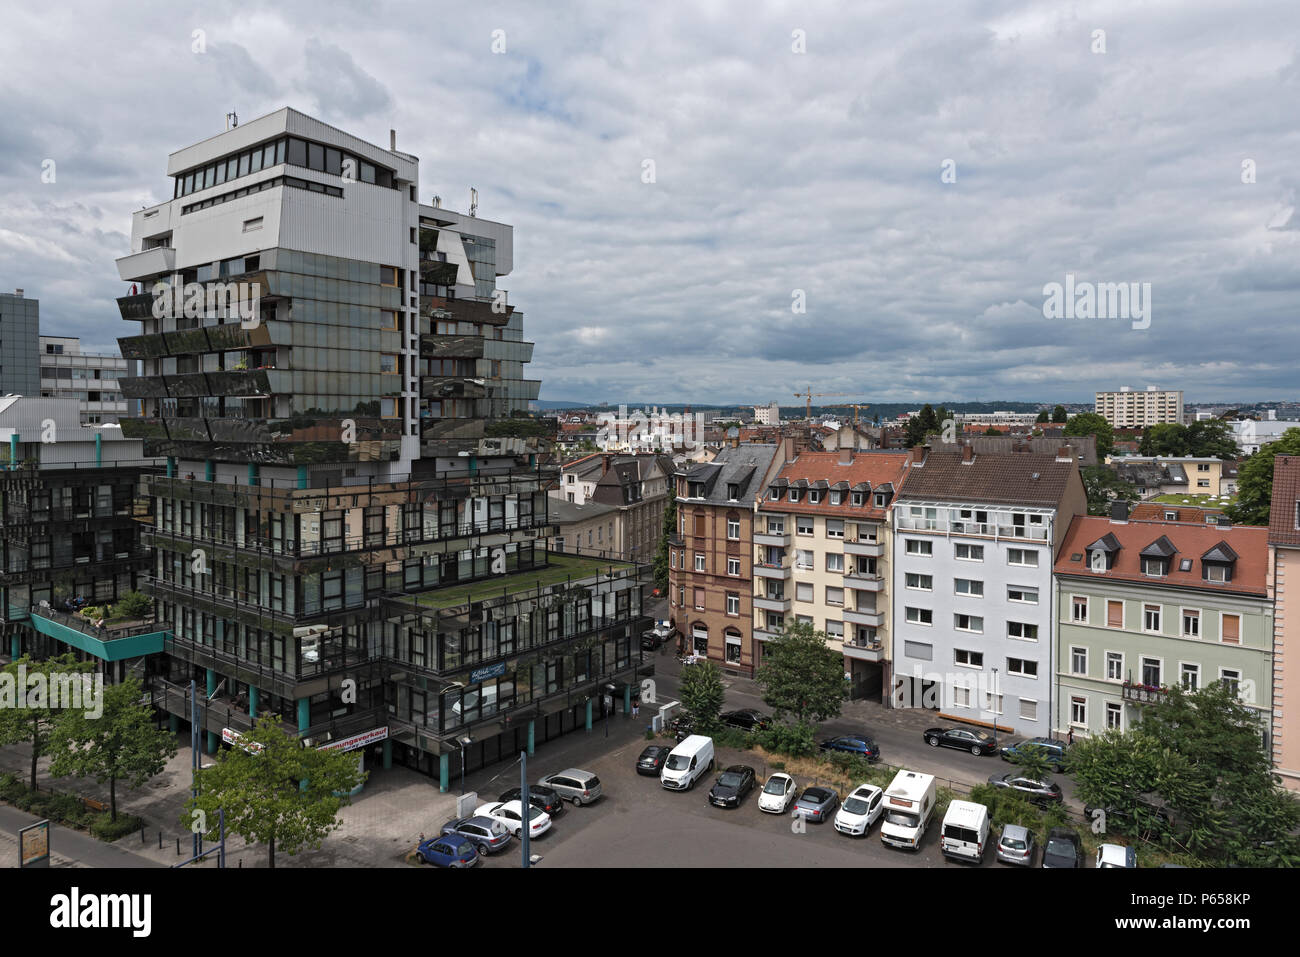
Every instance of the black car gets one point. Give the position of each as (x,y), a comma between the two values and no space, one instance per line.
(967,739)
(1063,849)
(863,745)
(652,760)
(539,796)
(746,719)
(732,786)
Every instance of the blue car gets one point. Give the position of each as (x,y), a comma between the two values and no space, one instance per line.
(448,850)
(1054,750)
(862,745)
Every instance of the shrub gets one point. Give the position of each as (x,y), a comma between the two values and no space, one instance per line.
(133,604)
(109,830)
(733,738)
(64,807)
(10,787)
(795,740)
(649,734)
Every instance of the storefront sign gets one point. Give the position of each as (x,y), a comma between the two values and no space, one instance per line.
(356,741)
(486,674)
(236,740)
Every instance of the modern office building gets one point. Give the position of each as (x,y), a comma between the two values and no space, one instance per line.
(975,537)
(1284,588)
(20,323)
(1127,408)
(93,379)
(351,529)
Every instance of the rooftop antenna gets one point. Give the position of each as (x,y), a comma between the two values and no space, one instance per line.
(473,201)
(437,202)
(232,120)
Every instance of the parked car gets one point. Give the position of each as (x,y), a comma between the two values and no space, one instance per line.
(447,850)
(655,637)
(777,794)
(816,804)
(966,739)
(732,786)
(573,784)
(862,745)
(1116,855)
(511,814)
(1055,748)
(687,763)
(539,796)
(860,810)
(746,719)
(652,759)
(1017,846)
(489,836)
(1040,792)
(1063,849)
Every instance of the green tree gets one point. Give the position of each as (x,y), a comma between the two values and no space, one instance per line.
(1255,480)
(27,715)
(1033,762)
(1167,438)
(277,792)
(1090,423)
(1045,416)
(801,676)
(1103,486)
(669,530)
(1059,414)
(121,744)
(1211,438)
(991,431)
(702,692)
(132,605)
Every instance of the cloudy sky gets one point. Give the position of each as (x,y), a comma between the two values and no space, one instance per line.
(913,174)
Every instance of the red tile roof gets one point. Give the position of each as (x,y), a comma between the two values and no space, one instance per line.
(1192,541)
(875,468)
(1155,512)
(1285,507)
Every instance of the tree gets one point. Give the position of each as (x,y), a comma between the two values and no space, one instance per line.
(668,531)
(274,791)
(1033,762)
(28,711)
(1255,480)
(120,744)
(991,430)
(702,693)
(1211,438)
(1045,416)
(1090,423)
(801,676)
(1103,486)
(1059,414)
(132,605)
(1167,438)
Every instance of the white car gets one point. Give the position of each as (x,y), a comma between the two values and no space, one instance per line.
(509,815)
(778,794)
(1116,855)
(860,810)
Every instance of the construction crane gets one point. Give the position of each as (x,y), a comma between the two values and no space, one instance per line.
(851,405)
(810,395)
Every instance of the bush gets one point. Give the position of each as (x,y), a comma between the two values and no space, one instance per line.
(107,829)
(133,604)
(649,734)
(1007,808)
(10,787)
(64,807)
(795,740)
(733,738)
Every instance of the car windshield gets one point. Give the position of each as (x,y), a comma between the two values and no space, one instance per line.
(730,780)
(855,805)
(535,812)
(774,786)
(678,762)
(1013,843)
(901,818)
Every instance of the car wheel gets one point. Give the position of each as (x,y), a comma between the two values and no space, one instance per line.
(691,785)
(975,749)
(419,859)
(577,801)
(932,741)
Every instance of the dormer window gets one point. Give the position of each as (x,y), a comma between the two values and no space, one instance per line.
(1155,567)
(881,499)
(814,497)
(856,498)
(794,495)
(1217,564)
(837,498)
(733,492)
(773,495)
(1102,553)
(1217,573)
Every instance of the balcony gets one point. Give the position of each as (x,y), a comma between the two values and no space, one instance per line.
(772,539)
(780,605)
(863,650)
(1145,694)
(864,582)
(763,633)
(147,264)
(112,643)
(779,572)
(866,549)
(868,617)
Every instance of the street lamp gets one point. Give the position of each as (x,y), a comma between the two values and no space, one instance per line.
(609,705)
(463,742)
(993,701)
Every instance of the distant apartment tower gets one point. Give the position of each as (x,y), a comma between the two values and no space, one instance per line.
(93,379)
(769,414)
(19,331)
(1129,409)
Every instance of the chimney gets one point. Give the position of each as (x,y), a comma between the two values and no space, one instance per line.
(18,293)
(392,140)
(918,455)
(1065,454)
(1119,510)
(604,464)
(846,455)
(967,454)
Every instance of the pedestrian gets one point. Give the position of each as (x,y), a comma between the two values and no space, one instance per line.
(636,707)
(1069,738)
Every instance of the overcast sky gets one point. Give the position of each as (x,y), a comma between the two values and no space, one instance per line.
(775,171)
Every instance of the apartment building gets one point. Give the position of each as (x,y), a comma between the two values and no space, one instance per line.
(20,323)
(1284,571)
(586,529)
(1146,605)
(1132,409)
(93,379)
(1173,474)
(975,536)
(823,556)
(337,404)
(711,558)
(769,414)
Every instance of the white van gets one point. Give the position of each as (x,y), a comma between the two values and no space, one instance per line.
(909,805)
(687,763)
(965,831)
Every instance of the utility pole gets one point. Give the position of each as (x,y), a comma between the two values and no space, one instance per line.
(194,754)
(525,808)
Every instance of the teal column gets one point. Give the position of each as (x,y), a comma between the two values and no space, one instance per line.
(444,772)
(13,451)
(173,723)
(388,753)
(212,742)
(252,702)
(15,647)
(302,476)
(99,450)
(304,715)
(532,460)
(530,737)
(252,474)
(627,699)
(171,466)
(473,465)
(210,471)
(212,682)
(588,714)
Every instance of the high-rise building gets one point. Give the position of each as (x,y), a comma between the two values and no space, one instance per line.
(93,379)
(19,332)
(1128,409)
(350,532)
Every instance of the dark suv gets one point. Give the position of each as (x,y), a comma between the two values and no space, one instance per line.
(1054,747)
(1062,849)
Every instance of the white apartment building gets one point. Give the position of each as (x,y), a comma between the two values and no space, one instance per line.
(1130,409)
(974,537)
(93,379)
(769,414)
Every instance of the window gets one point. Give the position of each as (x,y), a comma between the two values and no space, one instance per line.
(794,495)
(1114,716)
(814,497)
(1171,516)
(837,498)
(733,529)
(835,563)
(733,491)
(1114,614)
(803,591)
(834,528)
(969,587)
(855,498)
(733,566)
(1153,567)
(961,696)
(1028,709)
(1114,666)
(1022,667)
(972,623)
(920,616)
(1079,609)
(881,499)
(733,603)
(672,552)
(701,529)
(1190,674)
(1231,677)
(1151,618)
(1027,557)
(699,561)
(803,525)
(699,598)
(834,596)
(917,546)
(1025,596)
(969,553)
(1078,661)
(1215,572)
(1023,630)
(1191,623)
(1151,671)
(835,629)
(920,582)
(803,559)
(971,659)
(388,364)
(1230,633)
(1079,712)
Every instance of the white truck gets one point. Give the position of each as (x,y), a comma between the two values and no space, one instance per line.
(909,805)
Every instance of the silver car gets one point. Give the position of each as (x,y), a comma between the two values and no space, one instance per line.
(1016,845)
(580,787)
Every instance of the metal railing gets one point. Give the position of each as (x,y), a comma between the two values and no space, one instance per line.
(101,632)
